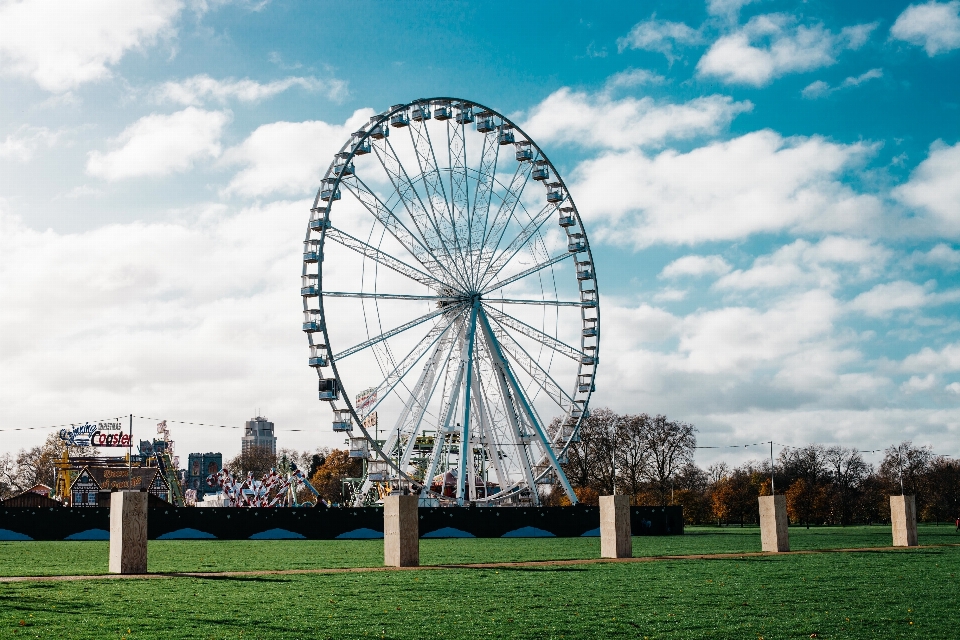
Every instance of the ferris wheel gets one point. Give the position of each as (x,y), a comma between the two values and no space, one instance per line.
(451,306)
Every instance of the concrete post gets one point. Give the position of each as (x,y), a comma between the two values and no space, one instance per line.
(128,532)
(903,518)
(401,531)
(774,534)
(615,540)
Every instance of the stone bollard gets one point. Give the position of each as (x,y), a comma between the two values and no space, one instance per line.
(903,519)
(128,532)
(615,540)
(401,531)
(774,534)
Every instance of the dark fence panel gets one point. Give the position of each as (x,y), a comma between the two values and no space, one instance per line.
(93,523)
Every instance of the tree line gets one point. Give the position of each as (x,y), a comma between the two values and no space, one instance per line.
(651,459)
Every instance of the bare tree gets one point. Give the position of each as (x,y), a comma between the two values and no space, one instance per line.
(670,445)
(37,465)
(907,463)
(848,470)
(258,460)
(630,451)
(590,461)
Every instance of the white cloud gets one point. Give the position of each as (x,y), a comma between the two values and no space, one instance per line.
(196,320)
(953,387)
(601,121)
(946,360)
(23,144)
(756,183)
(817,89)
(157,145)
(738,339)
(934,189)
(802,264)
(660,36)
(200,88)
(884,298)
(288,157)
(82,191)
(670,295)
(634,78)
(729,8)
(916,383)
(772,45)
(61,44)
(696,266)
(820,88)
(935,26)
(633,327)
(865,428)
(941,255)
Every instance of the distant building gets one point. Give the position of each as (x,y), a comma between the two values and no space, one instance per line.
(259,433)
(92,480)
(199,467)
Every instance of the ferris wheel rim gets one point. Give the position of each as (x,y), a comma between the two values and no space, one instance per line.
(350,149)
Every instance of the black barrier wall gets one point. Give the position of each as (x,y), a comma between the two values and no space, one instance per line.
(172,523)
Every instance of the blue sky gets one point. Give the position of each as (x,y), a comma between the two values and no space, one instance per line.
(772,191)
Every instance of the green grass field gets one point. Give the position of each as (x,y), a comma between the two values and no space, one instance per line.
(875,594)
(90,558)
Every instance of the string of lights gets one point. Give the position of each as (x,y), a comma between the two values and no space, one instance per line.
(73,424)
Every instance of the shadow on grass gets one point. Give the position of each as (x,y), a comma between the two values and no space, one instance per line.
(545,568)
(201,576)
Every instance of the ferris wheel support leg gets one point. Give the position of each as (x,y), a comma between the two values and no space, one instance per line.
(511,411)
(527,409)
(429,386)
(465,444)
(486,435)
(441,436)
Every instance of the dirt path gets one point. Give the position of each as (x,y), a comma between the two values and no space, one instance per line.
(486,565)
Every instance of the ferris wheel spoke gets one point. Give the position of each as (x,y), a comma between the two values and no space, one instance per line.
(480,213)
(548,303)
(506,320)
(423,221)
(404,367)
(388,334)
(432,182)
(526,272)
(520,241)
(387,296)
(364,249)
(528,411)
(505,211)
(531,366)
(459,187)
(386,217)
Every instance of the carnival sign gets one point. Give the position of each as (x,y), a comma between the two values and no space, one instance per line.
(100,434)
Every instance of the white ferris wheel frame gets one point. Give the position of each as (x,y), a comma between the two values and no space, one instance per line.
(466,318)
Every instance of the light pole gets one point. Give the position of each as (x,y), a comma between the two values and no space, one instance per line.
(773,491)
(900,465)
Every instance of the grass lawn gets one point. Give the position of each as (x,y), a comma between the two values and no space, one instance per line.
(90,558)
(884,594)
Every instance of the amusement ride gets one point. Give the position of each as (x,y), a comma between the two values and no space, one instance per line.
(445,260)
